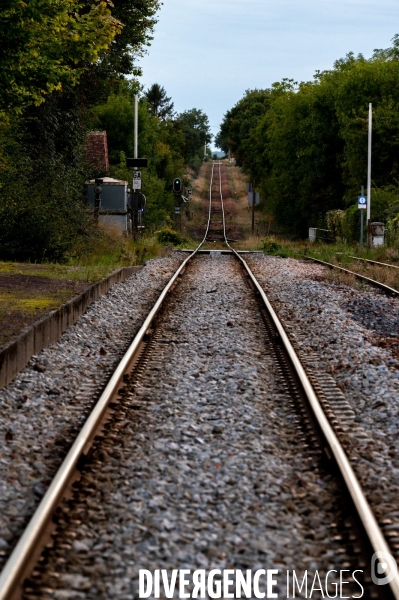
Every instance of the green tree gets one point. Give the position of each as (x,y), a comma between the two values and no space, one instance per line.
(195,126)
(59,58)
(160,105)
(238,123)
(306,144)
(45,45)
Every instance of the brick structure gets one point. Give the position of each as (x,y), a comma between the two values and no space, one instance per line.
(97,150)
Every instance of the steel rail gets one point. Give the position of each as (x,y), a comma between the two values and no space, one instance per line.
(15,567)
(372,529)
(373,282)
(375,262)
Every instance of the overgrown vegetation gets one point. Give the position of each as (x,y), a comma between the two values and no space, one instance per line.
(270,246)
(305,145)
(167,236)
(63,72)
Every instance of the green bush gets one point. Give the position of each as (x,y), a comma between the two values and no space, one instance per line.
(271,247)
(335,224)
(168,236)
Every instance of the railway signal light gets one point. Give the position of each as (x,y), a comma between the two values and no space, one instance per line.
(177,186)
(97,187)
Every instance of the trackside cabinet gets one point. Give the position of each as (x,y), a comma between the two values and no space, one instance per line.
(377,234)
(113,206)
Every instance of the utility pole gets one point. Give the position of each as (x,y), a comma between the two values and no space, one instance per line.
(138,199)
(136,127)
(369,175)
(135,197)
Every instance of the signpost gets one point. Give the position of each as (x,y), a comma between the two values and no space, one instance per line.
(369,176)
(253,198)
(137,180)
(138,199)
(362,205)
(362,202)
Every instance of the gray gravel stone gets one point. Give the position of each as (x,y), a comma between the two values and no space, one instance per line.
(336,326)
(41,411)
(207,471)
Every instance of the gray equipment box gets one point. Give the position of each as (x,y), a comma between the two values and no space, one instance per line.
(315,233)
(377,233)
(113,196)
(117,222)
(113,206)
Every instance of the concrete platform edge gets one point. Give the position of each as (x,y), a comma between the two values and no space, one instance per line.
(16,354)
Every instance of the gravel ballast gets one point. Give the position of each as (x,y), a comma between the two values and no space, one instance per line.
(203,468)
(45,406)
(353,335)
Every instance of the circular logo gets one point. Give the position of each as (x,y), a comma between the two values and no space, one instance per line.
(383,568)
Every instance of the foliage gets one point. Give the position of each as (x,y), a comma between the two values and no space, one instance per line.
(170,144)
(160,105)
(273,248)
(45,44)
(335,224)
(238,123)
(42,214)
(195,127)
(392,231)
(62,72)
(168,236)
(59,58)
(306,144)
(49,44)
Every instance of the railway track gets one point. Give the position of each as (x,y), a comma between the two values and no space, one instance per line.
(146,411)
(378,284)
(375,262)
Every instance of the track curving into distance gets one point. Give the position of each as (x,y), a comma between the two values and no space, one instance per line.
(366,517)
(19,561)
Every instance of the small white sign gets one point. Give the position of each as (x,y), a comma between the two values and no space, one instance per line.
(362,202)
(137,180)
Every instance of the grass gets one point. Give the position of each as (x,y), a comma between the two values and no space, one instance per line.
(13,301)
(28,291)
(341,255)
(101,259)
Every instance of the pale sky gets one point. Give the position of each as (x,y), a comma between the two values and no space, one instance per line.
(206,53)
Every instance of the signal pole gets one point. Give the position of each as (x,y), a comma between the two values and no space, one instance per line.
(136,127)
(138,199)
(177,190)
(135,197)
(369,175)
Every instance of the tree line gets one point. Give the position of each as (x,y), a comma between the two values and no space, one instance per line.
(68,67)
(305,144)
